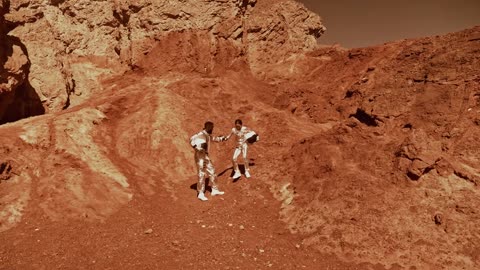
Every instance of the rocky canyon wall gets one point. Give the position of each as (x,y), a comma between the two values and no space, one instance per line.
(73,45)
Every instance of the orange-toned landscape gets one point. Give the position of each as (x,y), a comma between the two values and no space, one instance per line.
(369,158)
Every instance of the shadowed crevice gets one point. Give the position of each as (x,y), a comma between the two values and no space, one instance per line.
(26,102)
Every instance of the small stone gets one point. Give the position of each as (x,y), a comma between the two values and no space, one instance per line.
(438,219)
(261,250)
(230,224)
(241,227)
(203,226)
(149,231)
(297,246)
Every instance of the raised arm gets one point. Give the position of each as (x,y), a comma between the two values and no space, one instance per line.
(220,138)
(217,139)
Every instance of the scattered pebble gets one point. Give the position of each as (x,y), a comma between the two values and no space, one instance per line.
(261,250)
(241,227)
(149,231)
(438,218)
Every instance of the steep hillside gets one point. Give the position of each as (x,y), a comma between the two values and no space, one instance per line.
(397,177)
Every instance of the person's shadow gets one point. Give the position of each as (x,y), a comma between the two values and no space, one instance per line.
(241,167)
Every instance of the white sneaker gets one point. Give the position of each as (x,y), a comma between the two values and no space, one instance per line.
(202,197)
(236,175)
(247,174)
(217,192)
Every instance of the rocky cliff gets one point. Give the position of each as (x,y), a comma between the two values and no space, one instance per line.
(72,45)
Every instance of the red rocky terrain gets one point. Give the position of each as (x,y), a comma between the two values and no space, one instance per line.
(368,157)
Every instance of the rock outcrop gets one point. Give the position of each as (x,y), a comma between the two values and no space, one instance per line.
(277,34)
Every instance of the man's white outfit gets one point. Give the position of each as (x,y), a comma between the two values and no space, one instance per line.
(201,143)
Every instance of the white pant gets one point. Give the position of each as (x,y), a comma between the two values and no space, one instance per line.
(240,149)
(204,167)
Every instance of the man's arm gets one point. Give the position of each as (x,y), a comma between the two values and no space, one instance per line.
(228,136)
(218,139)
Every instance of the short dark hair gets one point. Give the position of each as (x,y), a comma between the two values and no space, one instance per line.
(208,124)
(238,121)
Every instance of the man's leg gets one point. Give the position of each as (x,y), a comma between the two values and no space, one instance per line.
(236,153)
(212,176)
(200,161)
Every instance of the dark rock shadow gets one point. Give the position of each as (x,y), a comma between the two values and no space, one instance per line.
(26,102)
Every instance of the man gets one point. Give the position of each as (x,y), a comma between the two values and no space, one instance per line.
(243,134)
(201,143)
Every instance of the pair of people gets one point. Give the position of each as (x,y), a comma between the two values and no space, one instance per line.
(201,143)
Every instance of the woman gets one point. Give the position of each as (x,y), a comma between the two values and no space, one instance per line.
(243,134)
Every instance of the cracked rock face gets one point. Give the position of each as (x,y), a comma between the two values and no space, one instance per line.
(73,45)
(284,29)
